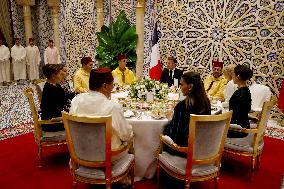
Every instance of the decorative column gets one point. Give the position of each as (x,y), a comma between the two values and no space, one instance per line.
(140,10)
(27,17)
(54,5)
(100,15)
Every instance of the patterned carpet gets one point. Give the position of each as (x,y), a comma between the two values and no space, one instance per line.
(16,119)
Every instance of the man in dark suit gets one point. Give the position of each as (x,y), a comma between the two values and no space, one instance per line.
(171,73)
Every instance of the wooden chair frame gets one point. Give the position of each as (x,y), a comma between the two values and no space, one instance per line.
(75,160)
(37,126)
(38,89)
(258,136)
(189,151)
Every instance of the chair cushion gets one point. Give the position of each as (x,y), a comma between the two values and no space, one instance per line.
(242,144)
(178,164)
(53,136)
(118,168)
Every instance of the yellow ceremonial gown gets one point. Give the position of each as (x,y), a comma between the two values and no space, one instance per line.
(129,76)
(215,86)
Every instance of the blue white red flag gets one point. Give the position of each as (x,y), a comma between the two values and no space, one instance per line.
(155,70)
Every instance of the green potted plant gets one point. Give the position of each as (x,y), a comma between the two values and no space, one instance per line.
(119,38)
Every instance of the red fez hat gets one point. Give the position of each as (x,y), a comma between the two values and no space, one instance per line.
(86,60)
(17,38)
(101,75)
(121,56)
(31,39)
(51,41)
(217,63)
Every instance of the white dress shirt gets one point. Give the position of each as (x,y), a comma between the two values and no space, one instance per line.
(95,103)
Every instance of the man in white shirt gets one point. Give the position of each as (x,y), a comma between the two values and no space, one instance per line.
(4,63)
(97,102)
(51,54)
(18,54)
(33,60)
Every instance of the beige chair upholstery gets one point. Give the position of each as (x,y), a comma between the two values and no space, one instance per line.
(253,144)
(42,138)
(89,144)
(205,146)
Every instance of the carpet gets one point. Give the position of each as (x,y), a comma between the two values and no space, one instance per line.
(19,169)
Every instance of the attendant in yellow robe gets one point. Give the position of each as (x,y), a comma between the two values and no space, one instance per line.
(81,78)
(215,83)
(122,74)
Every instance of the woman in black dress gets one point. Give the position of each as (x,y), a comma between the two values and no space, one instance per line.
(196,102)
(54,99)
(240,102)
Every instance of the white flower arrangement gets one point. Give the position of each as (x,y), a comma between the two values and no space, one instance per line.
(139,89)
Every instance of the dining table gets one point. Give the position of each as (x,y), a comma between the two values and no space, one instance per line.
(147,130)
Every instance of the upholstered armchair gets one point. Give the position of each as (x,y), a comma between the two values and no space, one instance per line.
(253,144)
(203,154)
(91,158)
(43,138)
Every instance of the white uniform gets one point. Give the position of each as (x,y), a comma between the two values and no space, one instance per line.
(4,64)
(51,56)
(33,61)
(18,54)
(83,105)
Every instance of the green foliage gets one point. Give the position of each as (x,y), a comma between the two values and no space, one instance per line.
(119,38)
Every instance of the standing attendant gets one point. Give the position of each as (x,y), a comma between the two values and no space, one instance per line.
(18,54)
(171,73)
(51,54)
(33,60)
(4,63)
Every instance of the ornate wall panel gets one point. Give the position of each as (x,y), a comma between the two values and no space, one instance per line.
(235,31)
(5,22)
(80,38)
(18,21)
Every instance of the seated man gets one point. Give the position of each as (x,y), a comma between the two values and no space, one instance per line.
(122,73)
(81,78)
(97,102)
(171,72)
(215,83)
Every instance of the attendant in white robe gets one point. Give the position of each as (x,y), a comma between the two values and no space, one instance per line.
(97,102)
(51,54)
(18,54)
(33,60)
(4,63)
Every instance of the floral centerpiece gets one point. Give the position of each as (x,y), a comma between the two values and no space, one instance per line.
(139,89)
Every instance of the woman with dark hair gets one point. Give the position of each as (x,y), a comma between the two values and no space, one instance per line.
(54,99)
(240,102)
(196,102)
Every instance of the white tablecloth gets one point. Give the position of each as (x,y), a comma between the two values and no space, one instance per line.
(146,142)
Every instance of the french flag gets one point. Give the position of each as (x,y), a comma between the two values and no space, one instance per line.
(155,64)
(281,98)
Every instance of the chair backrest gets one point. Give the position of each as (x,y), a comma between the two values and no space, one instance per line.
(39,88)
(207,134)
(88,139)
(262,123)
(29,94)
(259,95)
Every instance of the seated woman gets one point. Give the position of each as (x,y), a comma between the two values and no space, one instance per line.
(54,99)
(196,102)
(240,102)
(230,88)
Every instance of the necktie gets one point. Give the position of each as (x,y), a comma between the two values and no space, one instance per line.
(171,74)
(123,77)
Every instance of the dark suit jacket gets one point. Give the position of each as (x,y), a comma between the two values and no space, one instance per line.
(166,79)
